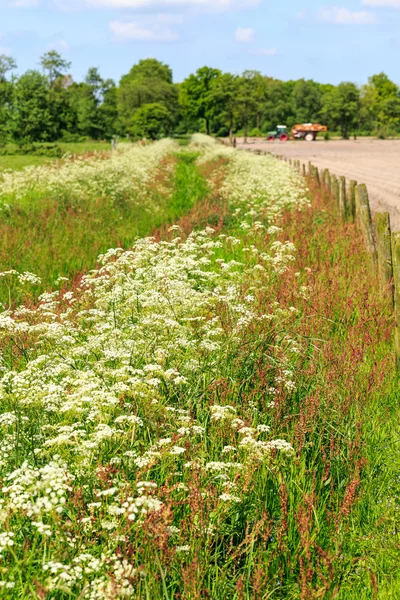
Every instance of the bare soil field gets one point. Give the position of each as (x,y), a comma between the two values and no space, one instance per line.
(374,162)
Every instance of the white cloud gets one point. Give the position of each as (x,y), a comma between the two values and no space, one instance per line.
(265,51)
(220,5)
(60,46)
(382,3)
(170,19)
(24,3)
(343,16)
(140,5)
(301,15)
(244,34)
(140,33)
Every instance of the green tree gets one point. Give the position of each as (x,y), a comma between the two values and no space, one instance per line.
(94,80)
(7,64)
(341,107)
(379,105)
(108,109)
(62,115)
(149,68)
(54,65)
(368,108)
(278,106)
(31,103)
(195,95)
(85,108)
(105,94)
(151,121)
(384,87)
(307,101)
(260,94)
(248,99)
(148,82)
(223,97)
(55,68)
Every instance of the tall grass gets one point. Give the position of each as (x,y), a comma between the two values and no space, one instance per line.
(210,415)
(62,237)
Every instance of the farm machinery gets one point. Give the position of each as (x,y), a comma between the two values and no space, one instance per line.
(280,134)
(306,131)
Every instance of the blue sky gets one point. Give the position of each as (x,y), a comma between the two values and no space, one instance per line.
(289,39)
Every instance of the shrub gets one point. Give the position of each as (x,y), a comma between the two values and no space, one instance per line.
(255,132)
(73,138)
(152,121)
(39,149)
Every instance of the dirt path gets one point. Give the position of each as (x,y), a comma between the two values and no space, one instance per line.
(374,162)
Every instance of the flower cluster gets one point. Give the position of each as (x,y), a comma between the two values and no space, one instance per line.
(257,187)
(128,170)
(110,416)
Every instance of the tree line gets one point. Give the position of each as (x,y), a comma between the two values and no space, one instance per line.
(47,105)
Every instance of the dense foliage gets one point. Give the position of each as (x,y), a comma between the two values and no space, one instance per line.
(50,105)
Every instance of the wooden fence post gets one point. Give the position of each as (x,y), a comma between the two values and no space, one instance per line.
(327,179)
(334,187)
(363,216)
(396,277)
(304,170)
(316,176)
(352,199)
(384,253)
(342,197)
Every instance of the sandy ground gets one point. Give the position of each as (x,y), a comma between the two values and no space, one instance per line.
(374,162)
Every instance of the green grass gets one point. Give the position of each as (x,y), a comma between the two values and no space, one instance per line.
(17,162)
(82,147)
(322,524)
(63,238)
(20,161)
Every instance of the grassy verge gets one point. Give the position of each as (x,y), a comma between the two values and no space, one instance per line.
(343,495)
(209,415)
(81,147)
(332,520)
(20,161)
(61,238)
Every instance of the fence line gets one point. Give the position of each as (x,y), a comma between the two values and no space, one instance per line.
(381,243)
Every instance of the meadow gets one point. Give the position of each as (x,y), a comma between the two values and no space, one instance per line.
(198,396)
(15,160)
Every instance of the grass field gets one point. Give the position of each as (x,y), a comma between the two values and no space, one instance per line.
(209,412)
(62,219)
(20,161)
